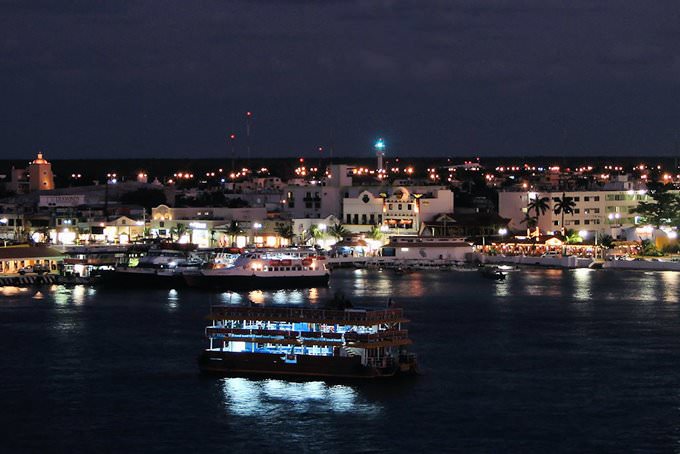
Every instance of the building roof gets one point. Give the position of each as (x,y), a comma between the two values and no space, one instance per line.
(29,252)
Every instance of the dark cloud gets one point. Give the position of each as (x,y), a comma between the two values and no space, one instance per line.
(159,78)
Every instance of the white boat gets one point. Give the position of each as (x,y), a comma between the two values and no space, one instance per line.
(265,268)
(158,267)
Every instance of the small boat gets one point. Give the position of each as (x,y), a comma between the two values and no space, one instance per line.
(492,272)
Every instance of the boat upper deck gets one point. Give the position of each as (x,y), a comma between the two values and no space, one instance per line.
(358,317)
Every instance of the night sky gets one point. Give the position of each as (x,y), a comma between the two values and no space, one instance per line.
(105,78)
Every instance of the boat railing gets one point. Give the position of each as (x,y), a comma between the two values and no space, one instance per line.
(349,337)
(381,362)
(308,315)
(380,336)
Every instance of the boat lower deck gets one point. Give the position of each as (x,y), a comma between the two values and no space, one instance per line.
(267,364)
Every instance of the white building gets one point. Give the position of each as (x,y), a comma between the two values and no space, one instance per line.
(428,248)
(12,226)
(605,211)
(207,226)
(400,212)
(317,200)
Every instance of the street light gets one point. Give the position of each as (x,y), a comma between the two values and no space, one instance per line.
(256,226)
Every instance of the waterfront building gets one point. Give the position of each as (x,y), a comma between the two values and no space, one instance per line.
(466,225)
(215,226)
(428,248)
(399,211)
(608,210)
(12,225)
(13,259)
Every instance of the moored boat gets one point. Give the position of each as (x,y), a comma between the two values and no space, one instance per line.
(263,269)
(307,342)
(159,267)
(492,272)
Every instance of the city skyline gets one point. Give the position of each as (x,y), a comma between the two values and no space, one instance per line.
(461,78)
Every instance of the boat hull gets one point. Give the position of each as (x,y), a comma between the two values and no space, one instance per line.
(304,366)
(151,278)
(253,282)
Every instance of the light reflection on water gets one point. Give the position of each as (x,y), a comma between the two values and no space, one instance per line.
(545,283)
(381,285)
(230,298)
(272,398)
(173,299)
(670,281)
(38,295)
(583,281)
(648,288)
(279,297)
(12,291)
(313,295)
(257,296)
(502,288)
(77,295)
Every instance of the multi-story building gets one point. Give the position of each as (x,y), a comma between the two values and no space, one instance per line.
(208,226)
(399,212)
(318,200)
(12,226)
(605,211)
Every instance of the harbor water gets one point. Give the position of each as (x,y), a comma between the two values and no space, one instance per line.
(544,361)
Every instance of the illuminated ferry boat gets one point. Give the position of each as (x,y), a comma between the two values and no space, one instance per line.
(304,342)
(265,268)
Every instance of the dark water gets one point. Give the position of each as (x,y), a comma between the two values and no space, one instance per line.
(547,361)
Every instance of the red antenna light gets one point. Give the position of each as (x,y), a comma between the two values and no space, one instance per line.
(249,114)
(232,136)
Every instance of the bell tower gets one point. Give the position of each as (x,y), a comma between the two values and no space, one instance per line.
(40,175)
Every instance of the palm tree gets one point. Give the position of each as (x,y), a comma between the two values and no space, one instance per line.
(338,231)
(539,205)
(564,205)
(376,233)
(179,230)
(606,241)
(233,231)
(572,237)
(649,249)
(285,231)
(315,233)
(529,220)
